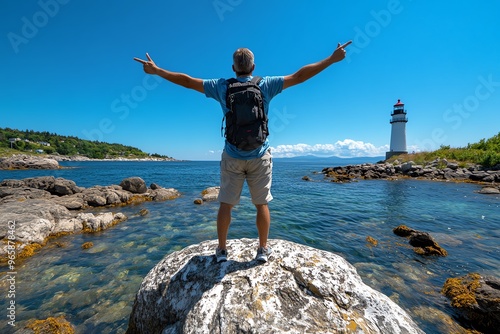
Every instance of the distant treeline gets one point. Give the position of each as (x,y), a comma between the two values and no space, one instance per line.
(51,143)
(486,153)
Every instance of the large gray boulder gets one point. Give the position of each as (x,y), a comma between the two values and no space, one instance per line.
(300,290)
(134,184)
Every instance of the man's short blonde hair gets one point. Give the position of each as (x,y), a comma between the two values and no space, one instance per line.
(243,61)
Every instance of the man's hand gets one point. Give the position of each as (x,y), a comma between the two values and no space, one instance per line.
(149,65)
(177,78)
(339,52)
(308,71)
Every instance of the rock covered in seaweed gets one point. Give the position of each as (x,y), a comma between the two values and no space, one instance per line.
(477,299)
(300,290)
(422,242)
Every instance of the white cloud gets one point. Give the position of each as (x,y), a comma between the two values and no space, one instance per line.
(345,149)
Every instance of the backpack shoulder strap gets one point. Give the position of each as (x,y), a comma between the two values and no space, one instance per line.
(256,80)
(231,81)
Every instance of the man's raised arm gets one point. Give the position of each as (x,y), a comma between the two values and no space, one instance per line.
(174,77)
(311,70)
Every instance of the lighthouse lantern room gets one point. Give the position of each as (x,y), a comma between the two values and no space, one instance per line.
(398,131)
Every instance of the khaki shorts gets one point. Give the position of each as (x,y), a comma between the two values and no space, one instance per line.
(257,172)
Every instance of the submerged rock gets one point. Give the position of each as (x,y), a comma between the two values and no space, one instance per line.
(50,325)
(300,290)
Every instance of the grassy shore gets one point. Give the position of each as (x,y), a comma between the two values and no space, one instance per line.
(485,153)
(462,156)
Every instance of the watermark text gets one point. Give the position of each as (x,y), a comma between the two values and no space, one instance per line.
(11,275)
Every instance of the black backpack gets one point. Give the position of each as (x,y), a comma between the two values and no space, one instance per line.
(246,121)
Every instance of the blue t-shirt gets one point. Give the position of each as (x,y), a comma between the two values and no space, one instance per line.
(270,87)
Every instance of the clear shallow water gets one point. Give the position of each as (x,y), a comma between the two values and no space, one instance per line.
(95,288)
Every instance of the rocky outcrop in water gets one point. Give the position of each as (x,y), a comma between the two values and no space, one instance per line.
(300,290)
(34,209)
(439,169)
(422,242)
(28,224)
(477,299)
(23,161)
(208,195)
(68,194)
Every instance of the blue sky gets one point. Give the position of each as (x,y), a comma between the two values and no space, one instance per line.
(67,67)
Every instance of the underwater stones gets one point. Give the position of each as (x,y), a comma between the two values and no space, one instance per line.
(50,325)
(371,241)
(300,290)
(143,212)
(87,245)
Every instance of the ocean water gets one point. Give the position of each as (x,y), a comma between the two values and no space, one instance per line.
(95,288)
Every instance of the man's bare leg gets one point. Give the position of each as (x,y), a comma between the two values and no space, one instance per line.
(223,222)
(263,222)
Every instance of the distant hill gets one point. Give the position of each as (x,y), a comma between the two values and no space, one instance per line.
(51,143)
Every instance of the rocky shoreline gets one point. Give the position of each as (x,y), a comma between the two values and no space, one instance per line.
(24,161)
(42,207)
(437,170)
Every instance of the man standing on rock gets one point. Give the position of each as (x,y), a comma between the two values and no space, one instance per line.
(246,159)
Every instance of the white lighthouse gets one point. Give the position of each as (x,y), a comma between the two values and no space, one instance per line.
(398,132)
